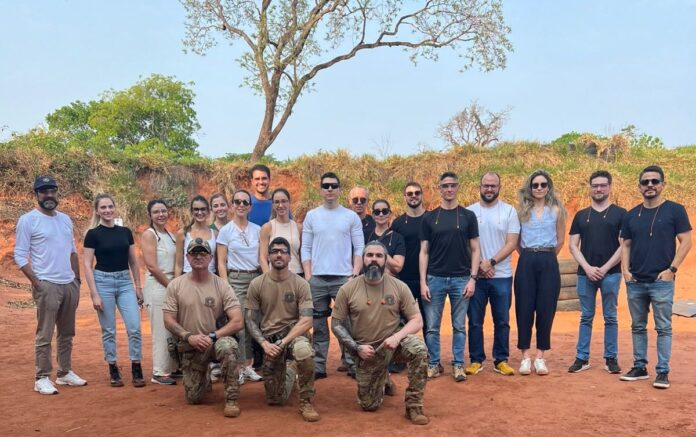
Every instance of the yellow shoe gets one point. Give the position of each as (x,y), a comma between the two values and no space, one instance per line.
(473,368)
(504,368)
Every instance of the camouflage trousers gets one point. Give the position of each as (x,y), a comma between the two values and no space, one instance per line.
(279,377)
(194,364)
(372,375)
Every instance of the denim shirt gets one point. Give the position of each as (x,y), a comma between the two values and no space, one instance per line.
(540,232)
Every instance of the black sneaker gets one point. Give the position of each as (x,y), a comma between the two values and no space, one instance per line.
(661,381)
(635,374)
(612,366)
(137,373)
(578,366)
(319,375)
(177,374)
(115,376)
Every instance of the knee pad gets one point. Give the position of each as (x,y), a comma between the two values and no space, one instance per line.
(303,351)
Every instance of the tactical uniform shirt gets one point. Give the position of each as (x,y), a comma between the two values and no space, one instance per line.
(279,302)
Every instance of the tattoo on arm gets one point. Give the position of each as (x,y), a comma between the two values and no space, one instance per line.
(340,331)
(178,330)
(252,318)
(306,312)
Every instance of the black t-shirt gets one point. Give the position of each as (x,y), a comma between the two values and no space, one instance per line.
(599,235)
(448,232)
(368,226)
(651,255)
(110,246)
(394,242)
(410,229)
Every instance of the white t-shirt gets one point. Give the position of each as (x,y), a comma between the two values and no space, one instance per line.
(48,241)
(330,239)
(494,225)
(242,245)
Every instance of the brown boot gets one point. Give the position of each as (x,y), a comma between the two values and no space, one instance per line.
(232,409)
(309,414)
(416,416)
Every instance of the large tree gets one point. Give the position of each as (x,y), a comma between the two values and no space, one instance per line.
(290,41)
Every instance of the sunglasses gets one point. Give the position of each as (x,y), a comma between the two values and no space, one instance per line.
(383,211)
(204,209)
(241,202)
(646,182)
(540,185)
(332,186)
(413,193)
(449,186)
(359,200)
(277,251)
(198,253)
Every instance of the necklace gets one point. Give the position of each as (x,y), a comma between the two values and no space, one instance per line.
(440,209)
(654,217)
(367,296)
(589,213)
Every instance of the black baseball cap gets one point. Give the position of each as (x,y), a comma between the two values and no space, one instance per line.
(44,182)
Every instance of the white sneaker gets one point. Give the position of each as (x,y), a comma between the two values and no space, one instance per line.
(72,379)
(525,366)
(45,386)
(251,375)
(540,366)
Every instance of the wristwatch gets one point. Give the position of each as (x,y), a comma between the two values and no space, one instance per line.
(672,269)
(474,277)
(493,262)
(213,336)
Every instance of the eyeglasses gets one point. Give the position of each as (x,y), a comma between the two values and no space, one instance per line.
(204,209)
(540,185)
(413,193)
(599,186)
(359,200)
(646,182)
(241,202)
(245,239)
(489,187)
(281,251)
(198,253)
(333,186)
(281,202)
(382,211)
(449,186)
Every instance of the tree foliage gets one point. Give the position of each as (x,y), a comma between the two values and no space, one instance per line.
(474,126)
(289,42)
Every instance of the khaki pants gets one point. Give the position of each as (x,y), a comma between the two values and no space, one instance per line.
(55,307)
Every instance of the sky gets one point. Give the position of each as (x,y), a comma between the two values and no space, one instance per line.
(586,66)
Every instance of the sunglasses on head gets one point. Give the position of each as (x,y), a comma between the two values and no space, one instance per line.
(538,185)
(277,250)
(413,193)
(241,202)
(646,182)
(331,185)
(204,209)
(381,211)
(359,200)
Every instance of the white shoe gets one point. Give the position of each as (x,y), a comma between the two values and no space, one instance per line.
(251,375)
(525,366)
(45,386)
(241,377)
(72,379)
(540,366)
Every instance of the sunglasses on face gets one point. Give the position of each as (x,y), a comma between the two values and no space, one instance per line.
(198,253)
(449,186)
(281,251)
(359,200)
(241,202)
(646,182)
(382,211)
(540,185)
(413,193)
(204,209)
(330,185)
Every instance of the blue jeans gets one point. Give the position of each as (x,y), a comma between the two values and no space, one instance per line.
(440,288)
(640,296)
(587,292)
(116,290)
(499,292)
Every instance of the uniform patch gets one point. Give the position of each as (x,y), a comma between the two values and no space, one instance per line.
(289,297)
(210,302)
(389,299)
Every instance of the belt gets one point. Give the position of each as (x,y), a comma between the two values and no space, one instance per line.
(330,277)
(539,249)
(245,271)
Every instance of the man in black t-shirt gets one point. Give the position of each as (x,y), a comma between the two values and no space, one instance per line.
(358,197)
(448,266)
(650,259)
(594,243)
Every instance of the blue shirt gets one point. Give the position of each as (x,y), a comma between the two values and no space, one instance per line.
(260,212)
(540,232)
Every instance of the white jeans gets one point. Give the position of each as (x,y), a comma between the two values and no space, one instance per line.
(154,293)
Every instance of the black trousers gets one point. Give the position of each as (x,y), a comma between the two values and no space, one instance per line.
(537,286)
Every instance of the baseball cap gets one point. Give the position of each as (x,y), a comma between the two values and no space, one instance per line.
(198,243)
(44,182)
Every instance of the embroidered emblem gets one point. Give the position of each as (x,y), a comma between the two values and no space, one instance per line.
(210,302)
(389,299)
(289,297)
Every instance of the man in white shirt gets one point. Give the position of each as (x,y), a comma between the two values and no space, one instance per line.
(332,246)
(499,230)
(45,252)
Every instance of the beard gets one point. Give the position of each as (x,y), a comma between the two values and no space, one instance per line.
(48,204)
(374,272)
(414,205)
(486,199)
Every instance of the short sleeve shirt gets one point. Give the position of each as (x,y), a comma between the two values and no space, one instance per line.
(448,232)
(111,246)
(410,229)
(198,305)
(374,311)
(279,302)
(599,235)
(242,245)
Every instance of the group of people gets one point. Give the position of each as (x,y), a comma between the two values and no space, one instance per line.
(234,290)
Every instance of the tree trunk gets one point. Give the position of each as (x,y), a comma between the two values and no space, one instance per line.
(265,139)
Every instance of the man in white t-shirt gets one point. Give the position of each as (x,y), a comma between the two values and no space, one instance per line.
(332,246)
(45,252)
(499,230)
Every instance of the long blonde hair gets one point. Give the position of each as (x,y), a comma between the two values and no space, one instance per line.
(95,218)
(526,200)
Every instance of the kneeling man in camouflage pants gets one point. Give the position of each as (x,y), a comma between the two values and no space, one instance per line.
(193,304)
(374,304)
(278,315)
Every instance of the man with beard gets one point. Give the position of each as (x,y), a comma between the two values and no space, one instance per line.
(595,245)
(650,260)
(45,236)
(278,316)
(374,303)
(359,198)
(499,230)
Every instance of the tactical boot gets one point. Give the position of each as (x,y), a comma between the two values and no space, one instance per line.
(416,416)
(390,387)
(137,372)
(232,409)
(115,376)
(309,414)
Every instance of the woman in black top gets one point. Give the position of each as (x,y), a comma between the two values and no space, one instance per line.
(111,286)
(396,246)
